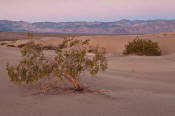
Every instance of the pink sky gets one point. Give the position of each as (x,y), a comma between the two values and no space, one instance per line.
(86,10)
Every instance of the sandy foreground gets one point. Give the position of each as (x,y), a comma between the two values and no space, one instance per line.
(135,85)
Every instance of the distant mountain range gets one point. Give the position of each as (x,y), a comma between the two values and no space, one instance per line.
(117,27)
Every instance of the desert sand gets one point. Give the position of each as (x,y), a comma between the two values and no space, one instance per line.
(134,85)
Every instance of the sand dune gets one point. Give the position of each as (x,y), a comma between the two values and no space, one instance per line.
(135,85)
(114,44)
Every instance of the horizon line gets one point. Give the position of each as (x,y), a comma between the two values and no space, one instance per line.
(158,19)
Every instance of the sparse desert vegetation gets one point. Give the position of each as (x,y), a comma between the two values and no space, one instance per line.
(132,85)
(87,58)
(142,47)
(10,45)
(70,61)
(3,43)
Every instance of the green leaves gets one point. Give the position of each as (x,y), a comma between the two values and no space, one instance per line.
(142,47)
(32,67)
(73,57)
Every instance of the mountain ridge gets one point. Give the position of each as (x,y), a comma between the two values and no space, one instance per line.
(117,27)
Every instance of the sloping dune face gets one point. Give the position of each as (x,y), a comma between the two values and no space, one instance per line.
(167,45)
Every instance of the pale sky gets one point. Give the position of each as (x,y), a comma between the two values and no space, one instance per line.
(86,10)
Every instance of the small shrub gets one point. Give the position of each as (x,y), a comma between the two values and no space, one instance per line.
(165,34)
(30,35)
(142,47)
(3,44)
(21,45)
(71,60)
(48,47)
(11,46)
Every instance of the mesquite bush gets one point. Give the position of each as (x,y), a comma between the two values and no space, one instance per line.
(32,67)
(142,47)
(72,58)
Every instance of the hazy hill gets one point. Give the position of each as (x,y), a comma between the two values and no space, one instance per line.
(118,27)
